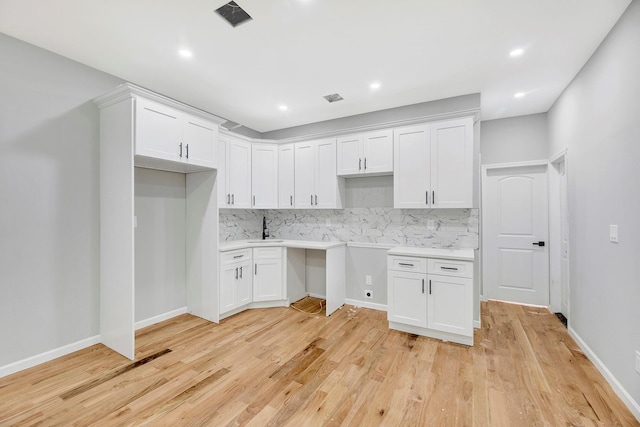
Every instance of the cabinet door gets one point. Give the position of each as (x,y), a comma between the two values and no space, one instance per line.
(378,152)
(305,175)
(158,131)
(450,304)
(452,163)
(199,140)
(407,298)
(264,176)
(349,155)
(411,160)
(224,198)
(326,180)
(239,173)
(244,292)
(267,280)
(228,285)
(286,176)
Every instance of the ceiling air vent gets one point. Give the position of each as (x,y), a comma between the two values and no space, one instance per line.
(334,97)
(233,14)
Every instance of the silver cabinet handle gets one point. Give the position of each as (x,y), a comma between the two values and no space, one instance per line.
(236,273)
(254,200)
(180,149)
(233,199)
(241,272)
(359,164)
(426,197)
(291,200)
(237,256)
(228,198)
(423,286)
(312,200)
(188,154)
(405,264)
(449,268)
(256,269)
(433,197)
(365,163)
(429,287)
(316,200)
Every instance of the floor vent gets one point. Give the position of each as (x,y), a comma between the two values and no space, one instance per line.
(562,318)
(233,14)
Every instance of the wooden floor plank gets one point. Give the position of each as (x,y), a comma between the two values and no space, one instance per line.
(282,367)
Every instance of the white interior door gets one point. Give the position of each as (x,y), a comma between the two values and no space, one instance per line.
(515,226)
(564,237)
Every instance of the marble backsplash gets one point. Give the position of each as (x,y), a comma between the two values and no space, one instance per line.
(453,228)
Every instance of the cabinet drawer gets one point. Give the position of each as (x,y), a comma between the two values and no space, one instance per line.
(446,267)
(405,263)
(267,253)
(235,256)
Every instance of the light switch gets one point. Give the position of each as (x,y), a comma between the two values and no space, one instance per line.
(613,233)
(367,280)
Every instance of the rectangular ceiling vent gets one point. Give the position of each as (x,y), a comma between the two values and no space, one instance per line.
(233,14)
(334,97)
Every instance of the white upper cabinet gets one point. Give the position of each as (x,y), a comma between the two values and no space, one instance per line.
(452,163)
(411,157)
(165,133)
(367,153)
(286,176)
(316,183)
(433,165)
(264,176)
(234,173)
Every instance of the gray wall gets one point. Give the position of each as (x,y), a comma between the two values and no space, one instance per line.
(49,192)
(596,118)
(515,139)
(160,236)
(425,109)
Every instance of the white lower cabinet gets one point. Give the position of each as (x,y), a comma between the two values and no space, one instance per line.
(431,297)
(235,280)
(268,283)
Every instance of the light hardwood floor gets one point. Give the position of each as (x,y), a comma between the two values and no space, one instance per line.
(281,367)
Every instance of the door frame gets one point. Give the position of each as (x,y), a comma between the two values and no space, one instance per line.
(558,197)
(483,191)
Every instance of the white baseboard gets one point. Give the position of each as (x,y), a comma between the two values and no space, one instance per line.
(477,324)
(160,318)
(47,356)
(365,304)
(633,406)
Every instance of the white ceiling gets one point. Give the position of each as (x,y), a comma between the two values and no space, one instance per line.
(296,51)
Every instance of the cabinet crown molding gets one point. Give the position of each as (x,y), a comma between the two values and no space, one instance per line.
(128,91)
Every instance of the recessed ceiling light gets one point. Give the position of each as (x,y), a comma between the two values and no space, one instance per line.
(375,85)
(516,52)
(519,95)
(185,53)
(283,108)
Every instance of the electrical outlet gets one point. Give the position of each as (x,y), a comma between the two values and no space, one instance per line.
(431,225)
(367,280)
(613,233)
(368,293)
(638,362)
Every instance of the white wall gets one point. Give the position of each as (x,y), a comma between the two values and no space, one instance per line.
(597,119)
(49,260)
(514,139)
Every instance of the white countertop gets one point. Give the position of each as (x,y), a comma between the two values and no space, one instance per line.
(256,243)
(459,254)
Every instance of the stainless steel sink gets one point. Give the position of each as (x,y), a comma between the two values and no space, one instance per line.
(266,241)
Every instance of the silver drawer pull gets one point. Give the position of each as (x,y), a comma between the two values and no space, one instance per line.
(406,264)
(449,268)
(237,256)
